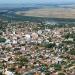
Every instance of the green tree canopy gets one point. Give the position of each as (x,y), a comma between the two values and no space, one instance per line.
(2,40)
(61,74)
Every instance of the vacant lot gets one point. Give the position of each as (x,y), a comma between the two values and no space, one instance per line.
(49,12)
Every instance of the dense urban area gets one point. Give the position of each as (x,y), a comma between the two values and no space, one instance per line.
(31,48)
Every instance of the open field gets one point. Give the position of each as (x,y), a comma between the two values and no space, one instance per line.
(49,12)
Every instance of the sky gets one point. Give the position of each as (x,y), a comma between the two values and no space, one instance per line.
(36,1)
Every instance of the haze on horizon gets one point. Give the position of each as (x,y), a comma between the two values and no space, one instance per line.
(36,1)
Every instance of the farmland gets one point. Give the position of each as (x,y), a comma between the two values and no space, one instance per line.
(50,13)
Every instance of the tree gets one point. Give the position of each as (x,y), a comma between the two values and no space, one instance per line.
(50,45)
(61,74)
(2,40)
(67,35)
(72,52)
(49,39)
(22,60)
(66,48)
(1,73)
(57,66)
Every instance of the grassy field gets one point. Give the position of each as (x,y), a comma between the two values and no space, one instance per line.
(49,12)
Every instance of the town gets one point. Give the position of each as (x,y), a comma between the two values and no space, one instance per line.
(31,48)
